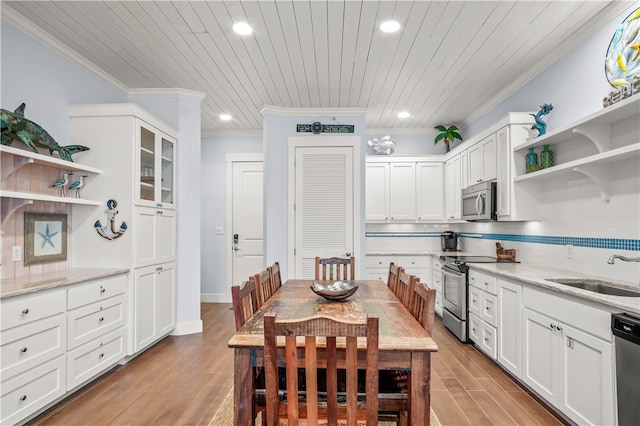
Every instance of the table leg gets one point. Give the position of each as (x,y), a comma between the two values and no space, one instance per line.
(243,388)
(420,389)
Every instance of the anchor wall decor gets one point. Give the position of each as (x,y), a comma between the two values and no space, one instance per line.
(109,230)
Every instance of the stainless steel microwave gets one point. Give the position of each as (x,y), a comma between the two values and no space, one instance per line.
(479,202)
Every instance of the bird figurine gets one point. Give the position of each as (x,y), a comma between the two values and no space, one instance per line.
(77,185)
(62,183)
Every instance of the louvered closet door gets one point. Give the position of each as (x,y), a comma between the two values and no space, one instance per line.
(324,205)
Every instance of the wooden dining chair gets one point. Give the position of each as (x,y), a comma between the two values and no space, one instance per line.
(392,281)
(423,303)
(338,268)
(245,302)
(263,284)
(404,287)
(314,406)
(276,279)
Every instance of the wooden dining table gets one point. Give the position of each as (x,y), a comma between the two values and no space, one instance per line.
(403,343)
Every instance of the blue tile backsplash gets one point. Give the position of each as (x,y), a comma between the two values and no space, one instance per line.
(605,243)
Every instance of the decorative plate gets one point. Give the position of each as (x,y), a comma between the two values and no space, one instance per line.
(622,62)
(339,290)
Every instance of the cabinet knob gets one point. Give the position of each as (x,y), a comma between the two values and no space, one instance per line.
(23,350)
(25,311)
(23,398)
(159,269)
(552,326)
(158,211)
(558,328)
(158,204)
(102,289)
(101,355)
(100,319)
(479,180)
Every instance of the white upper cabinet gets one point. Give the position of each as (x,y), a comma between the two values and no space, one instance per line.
(402,191)
(377,192)
(430,190)
(482,161)
(405,191)
(453,201)
(155,175)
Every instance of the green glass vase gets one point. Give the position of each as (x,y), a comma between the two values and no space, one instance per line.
(546,158)
(532,161)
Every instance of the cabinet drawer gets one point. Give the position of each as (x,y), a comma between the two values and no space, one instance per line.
(488,341)
(475,300)
(411,262)
(25,309)
(483,281)
(378,261)
(94,357)
(94,291)
(475,328)
(24,347)
(91,321)
(27,393)
(490,309)
(378,274)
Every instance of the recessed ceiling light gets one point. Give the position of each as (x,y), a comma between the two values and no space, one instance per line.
(403,114)
(242,28)
(390,26)
(225,117)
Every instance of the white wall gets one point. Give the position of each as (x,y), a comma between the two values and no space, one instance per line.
(49,84)
(214,286)
(277,128)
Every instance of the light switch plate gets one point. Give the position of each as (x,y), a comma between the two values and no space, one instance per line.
(219,230)
(16,253)
(569,251)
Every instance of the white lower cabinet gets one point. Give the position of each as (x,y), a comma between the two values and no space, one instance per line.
(53,341)
(510,325)
(155,303)
(436,280)
(483,335)
(570,367)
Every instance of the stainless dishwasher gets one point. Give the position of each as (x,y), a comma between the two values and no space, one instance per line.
(626,330)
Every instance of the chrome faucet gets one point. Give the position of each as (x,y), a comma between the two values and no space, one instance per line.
(626,259)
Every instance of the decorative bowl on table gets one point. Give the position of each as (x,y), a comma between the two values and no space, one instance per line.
(338,290)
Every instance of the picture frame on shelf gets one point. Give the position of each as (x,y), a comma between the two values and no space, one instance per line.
(45,238)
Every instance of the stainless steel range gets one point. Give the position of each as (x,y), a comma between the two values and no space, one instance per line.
(454,291)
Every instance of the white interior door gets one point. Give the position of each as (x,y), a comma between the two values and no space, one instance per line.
(324,204)
(245,236)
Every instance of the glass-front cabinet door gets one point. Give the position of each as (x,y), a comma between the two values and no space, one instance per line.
(156,174)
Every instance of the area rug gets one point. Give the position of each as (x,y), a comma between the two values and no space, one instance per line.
(224,415)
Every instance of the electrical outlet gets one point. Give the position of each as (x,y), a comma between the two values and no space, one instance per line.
(569,251)
(219,230)
(16,253)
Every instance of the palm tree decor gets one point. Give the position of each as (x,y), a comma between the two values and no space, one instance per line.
(448,134)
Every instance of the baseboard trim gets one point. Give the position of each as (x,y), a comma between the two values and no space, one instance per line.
(215,298)
(190,327)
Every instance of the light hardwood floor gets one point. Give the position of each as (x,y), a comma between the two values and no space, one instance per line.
(182,381)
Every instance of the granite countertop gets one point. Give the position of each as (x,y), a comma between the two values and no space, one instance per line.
(18,286)
(536,274)
(421,253)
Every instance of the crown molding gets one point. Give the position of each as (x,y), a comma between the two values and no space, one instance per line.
(212,133)
(167,93)
(267,109)
(398,131)
(14,18)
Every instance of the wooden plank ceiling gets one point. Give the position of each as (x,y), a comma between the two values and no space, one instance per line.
(450,62)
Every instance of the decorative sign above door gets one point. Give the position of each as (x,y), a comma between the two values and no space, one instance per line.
(317,128)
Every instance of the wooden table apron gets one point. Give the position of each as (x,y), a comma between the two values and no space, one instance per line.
(403,343)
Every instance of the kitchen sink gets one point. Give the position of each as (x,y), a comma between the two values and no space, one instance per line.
(596,286)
